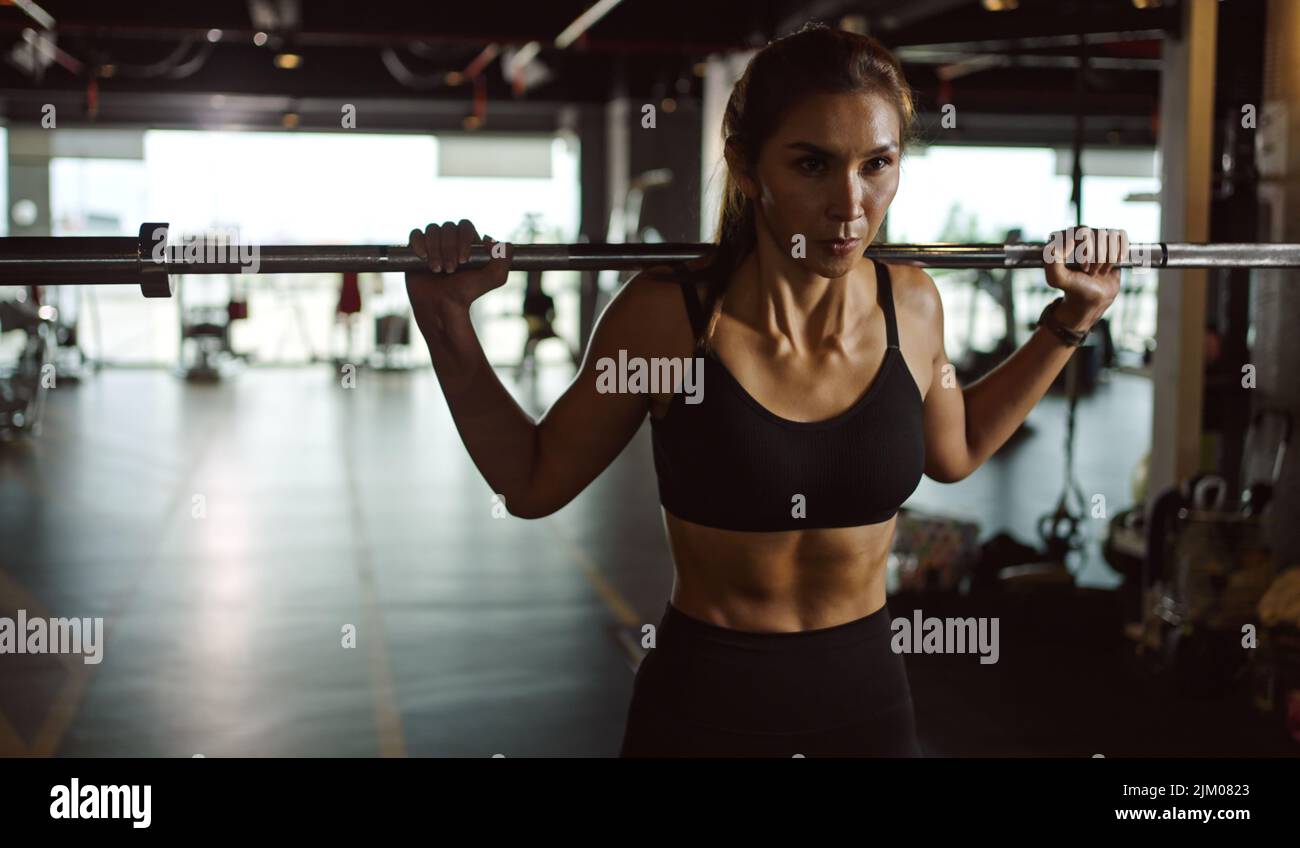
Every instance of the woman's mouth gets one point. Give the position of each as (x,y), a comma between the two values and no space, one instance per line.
(842,247)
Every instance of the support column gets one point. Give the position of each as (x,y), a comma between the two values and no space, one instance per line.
(1276,349)
(720,75)
(29,181)
(1186,145)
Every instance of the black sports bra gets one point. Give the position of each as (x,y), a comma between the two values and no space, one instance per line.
(729,462)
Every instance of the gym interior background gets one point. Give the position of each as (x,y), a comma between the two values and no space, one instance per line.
(201,475)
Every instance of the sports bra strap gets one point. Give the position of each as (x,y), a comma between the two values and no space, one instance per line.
(885,297)
(694,309)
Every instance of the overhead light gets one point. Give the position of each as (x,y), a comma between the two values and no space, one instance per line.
(584,22)
(1000,5)
(289,120)
(700,69)
(1147,4)
(287,61)
(33,11)
(454,78)
(668,104)
(214,35)
(516,60)
(259,39)
(472,122)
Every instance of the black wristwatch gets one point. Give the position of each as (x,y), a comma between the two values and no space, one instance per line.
(1070,336)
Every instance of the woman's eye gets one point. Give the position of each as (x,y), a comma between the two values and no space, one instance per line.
(813,165)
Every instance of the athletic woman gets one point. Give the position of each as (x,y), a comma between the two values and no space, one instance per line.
(826,395)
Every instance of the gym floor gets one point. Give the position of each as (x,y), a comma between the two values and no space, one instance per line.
(232,534)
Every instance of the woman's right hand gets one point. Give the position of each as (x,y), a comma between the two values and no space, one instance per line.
(446,247)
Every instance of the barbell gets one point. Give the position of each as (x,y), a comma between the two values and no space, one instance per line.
(149,260)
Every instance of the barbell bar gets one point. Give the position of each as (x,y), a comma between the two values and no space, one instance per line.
(150,260)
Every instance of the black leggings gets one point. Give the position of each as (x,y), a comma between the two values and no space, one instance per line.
(710,691)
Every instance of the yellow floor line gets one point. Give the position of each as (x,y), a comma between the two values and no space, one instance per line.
(11,745)
(68,701)
(383,686)
(613,599)
(71,689)
(62,712)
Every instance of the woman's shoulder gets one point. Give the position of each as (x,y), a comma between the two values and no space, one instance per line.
(662,284)
(914,289)
(695,269)
(650,309)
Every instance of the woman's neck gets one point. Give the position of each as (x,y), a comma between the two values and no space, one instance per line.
(775,296)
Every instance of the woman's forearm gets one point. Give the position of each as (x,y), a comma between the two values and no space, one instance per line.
(998,403)
(499,435)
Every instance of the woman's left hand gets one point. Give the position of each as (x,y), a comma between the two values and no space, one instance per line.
(1092,284)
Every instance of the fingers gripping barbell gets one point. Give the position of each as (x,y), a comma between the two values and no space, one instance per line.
(149,260)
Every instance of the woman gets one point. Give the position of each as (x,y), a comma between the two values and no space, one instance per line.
(828,394)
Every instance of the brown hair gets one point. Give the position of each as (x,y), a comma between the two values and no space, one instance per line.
(816,59)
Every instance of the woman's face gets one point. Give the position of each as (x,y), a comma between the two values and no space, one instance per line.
(829,172)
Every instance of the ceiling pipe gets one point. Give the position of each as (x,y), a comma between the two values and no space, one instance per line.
(962,64)
(329,38)
(1043,42)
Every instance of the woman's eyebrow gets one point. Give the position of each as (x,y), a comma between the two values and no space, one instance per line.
(809,147)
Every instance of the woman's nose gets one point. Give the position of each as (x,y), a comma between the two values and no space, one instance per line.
(845,201)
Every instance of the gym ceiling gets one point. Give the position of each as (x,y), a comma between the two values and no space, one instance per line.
(423,66)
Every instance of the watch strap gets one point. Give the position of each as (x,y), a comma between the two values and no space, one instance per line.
(1048,319)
